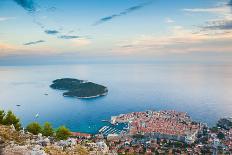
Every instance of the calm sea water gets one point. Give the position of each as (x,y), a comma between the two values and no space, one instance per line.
(204,91)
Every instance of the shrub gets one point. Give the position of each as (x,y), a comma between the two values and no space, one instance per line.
(10,119)
(62,133)
(2,115)
(34,128)
(47,129)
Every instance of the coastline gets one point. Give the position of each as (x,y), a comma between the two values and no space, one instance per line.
(169,129)
(89,97)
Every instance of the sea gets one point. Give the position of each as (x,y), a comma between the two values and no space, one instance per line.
(204,91)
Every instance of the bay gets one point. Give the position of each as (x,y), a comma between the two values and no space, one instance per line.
(203,91)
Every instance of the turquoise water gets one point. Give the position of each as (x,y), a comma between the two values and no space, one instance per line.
(204,91)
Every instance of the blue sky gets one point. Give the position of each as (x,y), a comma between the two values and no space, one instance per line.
(61,31)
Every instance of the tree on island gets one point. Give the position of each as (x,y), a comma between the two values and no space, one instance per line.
(34,128)
(10,119)
(47,129)
(62,133)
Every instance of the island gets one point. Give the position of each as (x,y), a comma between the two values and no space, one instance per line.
(79,88)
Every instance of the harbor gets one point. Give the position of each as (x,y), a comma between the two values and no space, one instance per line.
(113,129)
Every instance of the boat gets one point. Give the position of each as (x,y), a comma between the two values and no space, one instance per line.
(18,105)
(104,120)
(37,115)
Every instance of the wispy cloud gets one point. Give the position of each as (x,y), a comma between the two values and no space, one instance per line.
(5,18)
(6,46)
(33,8)
(51,9)
(80,42)
(68,37)
(214,36)
(223,22)
(123,13)
(8,49)
(52,32)
(179,40)
(28,5)
(215,10)
(230,3)
(219,25)
(169,20)
(34,42)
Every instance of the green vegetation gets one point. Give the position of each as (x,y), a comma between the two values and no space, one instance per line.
(220,135)
(79,88)
(34,128)
(47,129)
(225,123)
(177,144)
(62,133)
(9,119)
(2,114)
(214,129)
(66,84)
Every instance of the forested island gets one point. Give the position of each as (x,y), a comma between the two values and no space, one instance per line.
(79,88)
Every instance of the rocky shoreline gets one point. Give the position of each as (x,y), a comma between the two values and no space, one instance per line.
(134,140)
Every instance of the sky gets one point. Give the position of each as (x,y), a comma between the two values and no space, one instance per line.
(122,31)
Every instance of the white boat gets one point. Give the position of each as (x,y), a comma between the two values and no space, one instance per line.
(37,115)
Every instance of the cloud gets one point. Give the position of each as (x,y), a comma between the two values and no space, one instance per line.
(169,20)
(6,46)
(222,10)
(7,49)
(223,22)
(80,42)
(52,32)
(215,10)
(178,40)
(219,25)
(123,13)
(68,37)
(28,5)
(34,42)
(51,9)
(31,7)
(5,18)
(230,3)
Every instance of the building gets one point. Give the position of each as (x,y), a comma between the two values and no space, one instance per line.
(161,124)
(81,135)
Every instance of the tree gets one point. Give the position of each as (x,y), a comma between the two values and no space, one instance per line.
(47,129)
(214,129)
(34,128)
(221,135)
(10,119)
(2,115)
(62,133)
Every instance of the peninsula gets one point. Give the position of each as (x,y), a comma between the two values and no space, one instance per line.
(79,88)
